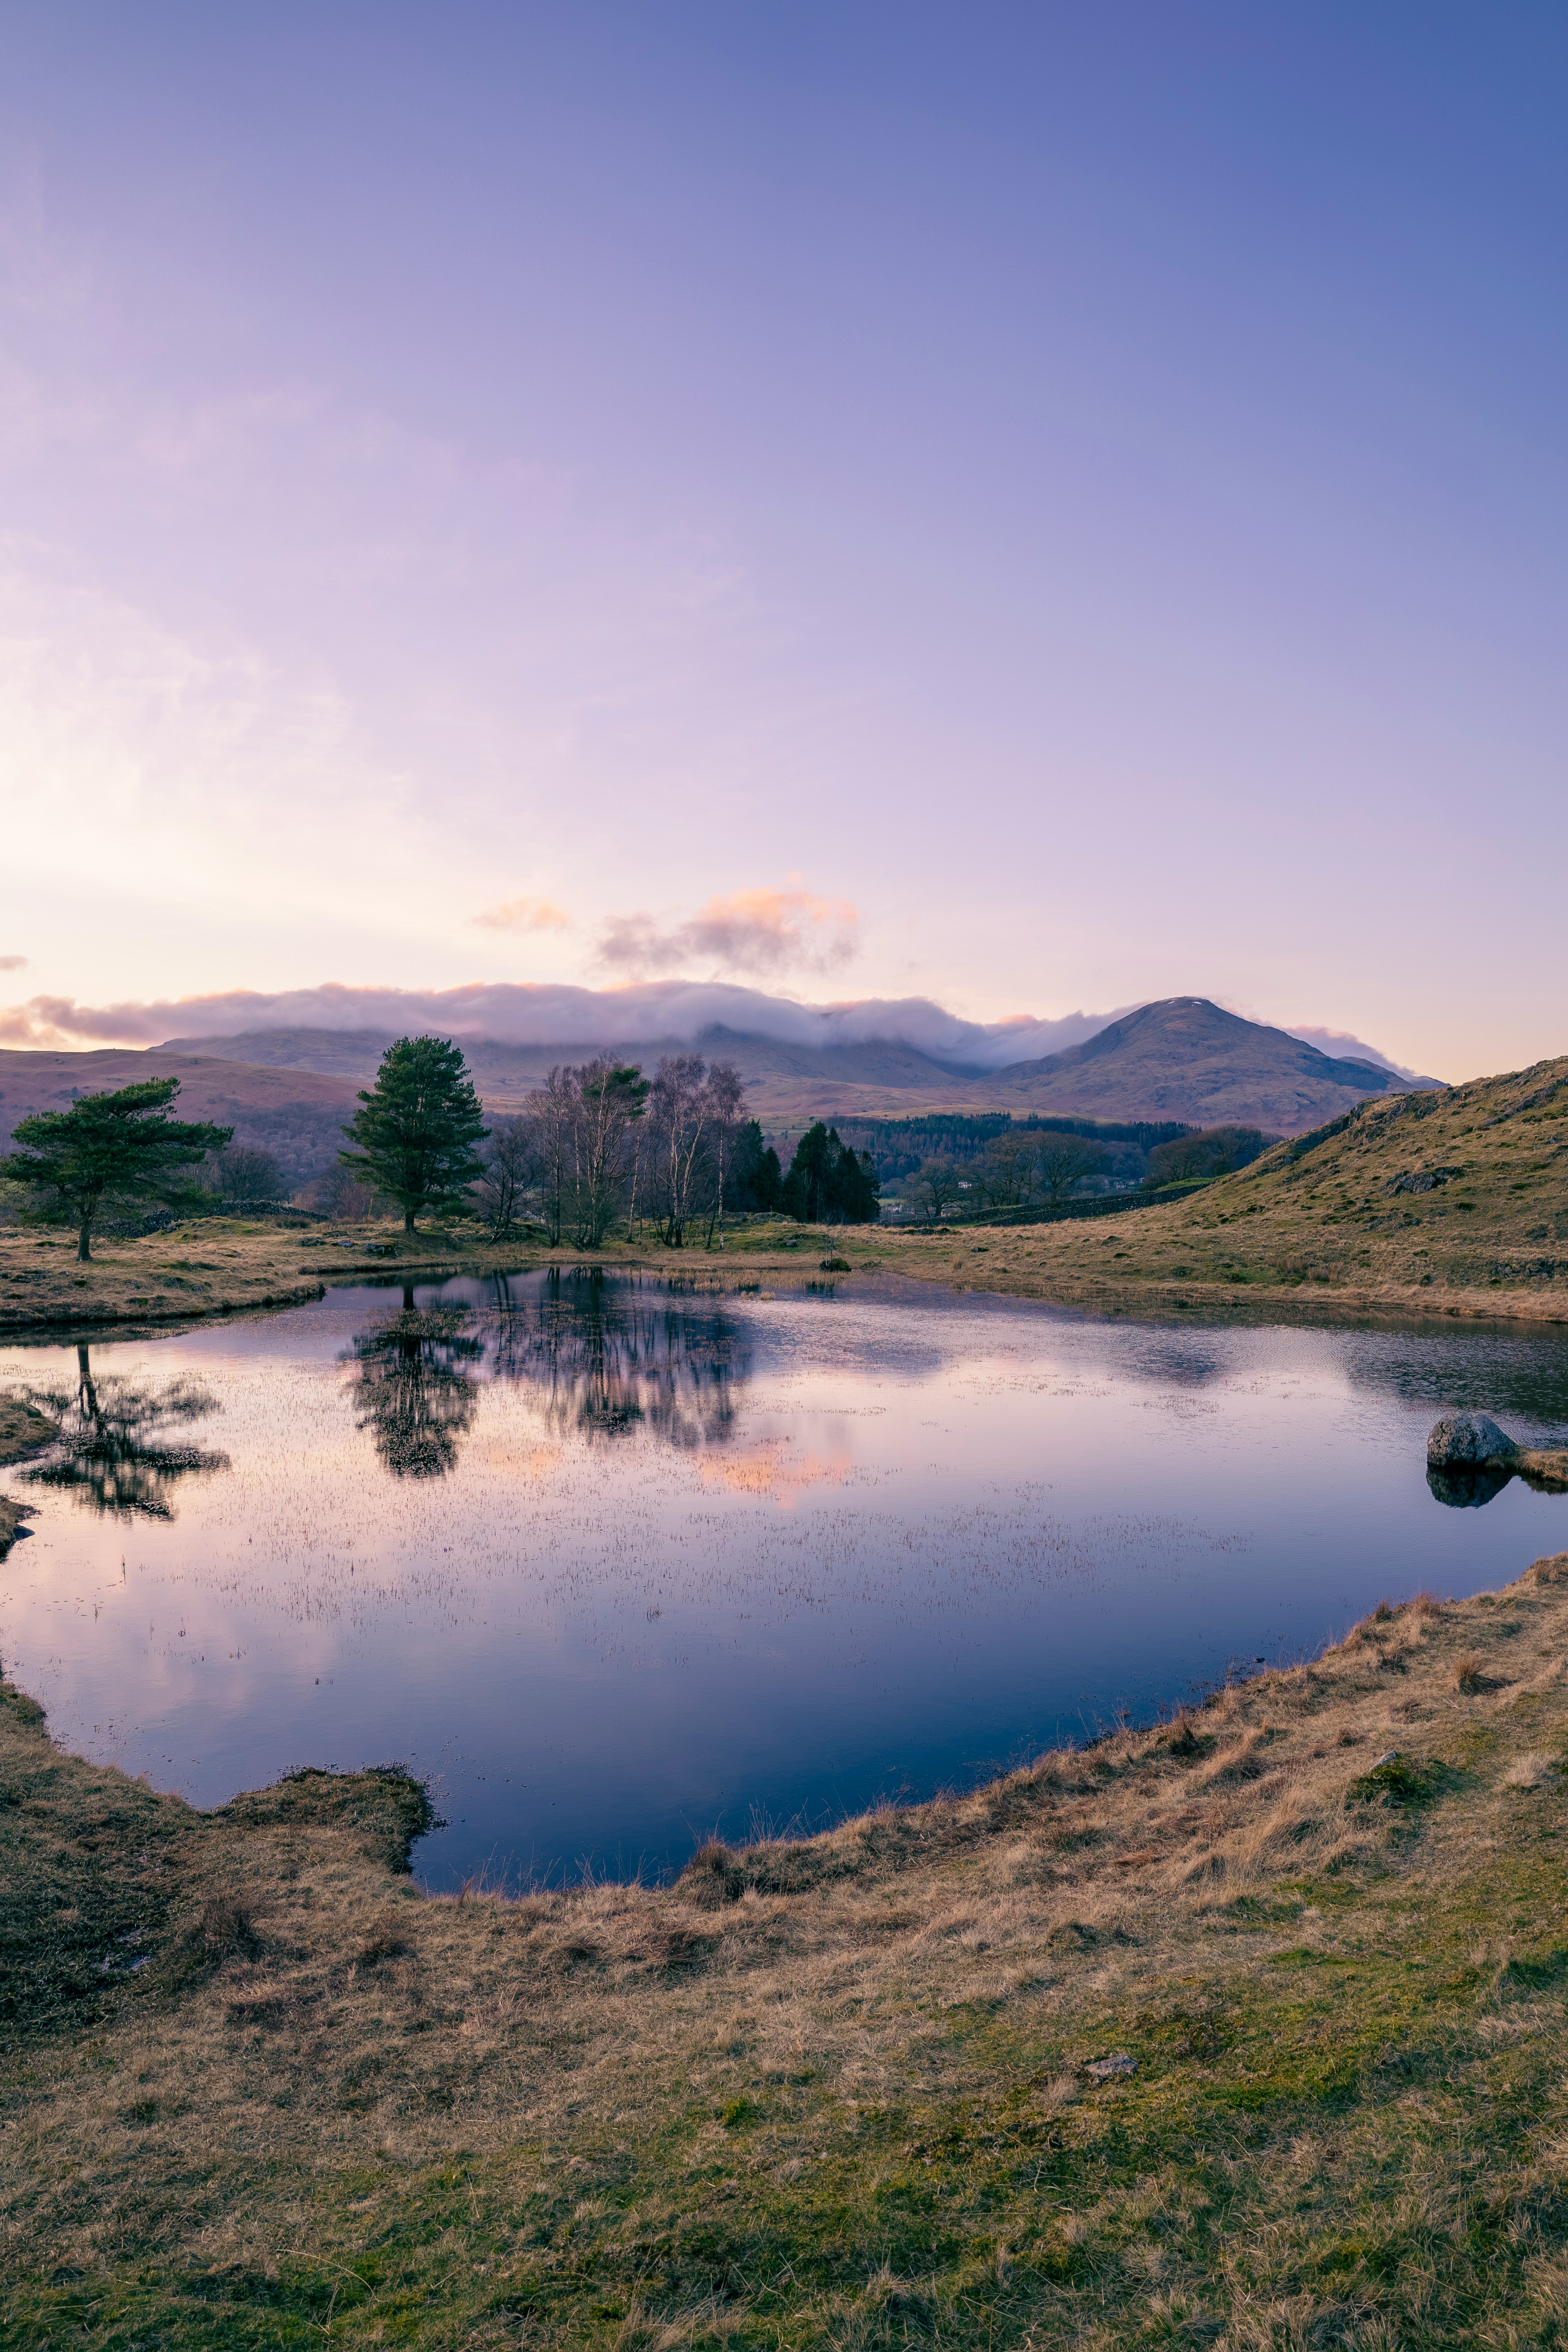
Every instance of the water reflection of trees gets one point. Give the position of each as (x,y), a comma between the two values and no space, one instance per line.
(114,1453)
(601,1357)
(413,1387)
(605,1358)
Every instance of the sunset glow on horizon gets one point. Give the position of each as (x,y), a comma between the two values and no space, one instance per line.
(1010,515)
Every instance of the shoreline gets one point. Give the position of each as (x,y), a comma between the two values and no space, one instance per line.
(871,1251)
(1159,2026)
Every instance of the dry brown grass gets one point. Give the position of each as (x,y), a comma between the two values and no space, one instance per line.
(852,2090)
(24,1430)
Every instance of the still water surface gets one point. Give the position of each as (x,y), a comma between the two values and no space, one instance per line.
(616,1566)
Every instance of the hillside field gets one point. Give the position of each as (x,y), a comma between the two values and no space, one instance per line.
(1454,1203)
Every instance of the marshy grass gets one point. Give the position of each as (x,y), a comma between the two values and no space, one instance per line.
(1243,2030)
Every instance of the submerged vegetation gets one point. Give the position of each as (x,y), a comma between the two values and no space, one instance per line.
(1245,2030)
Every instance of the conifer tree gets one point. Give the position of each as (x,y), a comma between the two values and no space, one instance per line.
(830,1183)
(111,1146)
(418,1127)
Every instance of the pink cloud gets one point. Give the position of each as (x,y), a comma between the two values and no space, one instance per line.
(524,915)
(761,931)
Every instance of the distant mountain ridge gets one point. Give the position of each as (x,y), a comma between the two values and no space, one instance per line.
(1187,1058)
(1181,1059)
(291,1090)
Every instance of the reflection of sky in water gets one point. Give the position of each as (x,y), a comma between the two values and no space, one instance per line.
(617,1566)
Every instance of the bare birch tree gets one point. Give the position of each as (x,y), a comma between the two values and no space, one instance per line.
(553,1108)
(680,1107)
(610,1098)
(511,1172)
(727,1100)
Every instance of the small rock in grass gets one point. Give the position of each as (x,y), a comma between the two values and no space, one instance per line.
(1105,2070)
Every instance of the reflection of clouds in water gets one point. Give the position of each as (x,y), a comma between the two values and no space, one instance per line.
(512,1461)
(699,1518)
(595,1566)
(678,1526)
(776,1469)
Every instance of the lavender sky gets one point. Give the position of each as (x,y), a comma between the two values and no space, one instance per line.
(1031,507)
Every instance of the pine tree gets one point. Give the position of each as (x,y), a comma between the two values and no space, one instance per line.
(418,1127)
(831,1183)
(106,1146)
(753,1179)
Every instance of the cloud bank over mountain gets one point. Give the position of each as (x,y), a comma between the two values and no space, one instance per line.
(1340,1047)
(643,1012)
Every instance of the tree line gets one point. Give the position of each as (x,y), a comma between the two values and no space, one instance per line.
(899,1146)
(599,1145)
(1022,1165)
(1015,1169)
(596,1146)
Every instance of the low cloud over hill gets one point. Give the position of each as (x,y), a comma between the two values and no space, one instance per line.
(671,1011)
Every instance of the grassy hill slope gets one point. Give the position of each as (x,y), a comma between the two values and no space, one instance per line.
(1244,2032)
(1454,1203)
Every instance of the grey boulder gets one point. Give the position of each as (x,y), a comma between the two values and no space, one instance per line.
(1466,1437)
